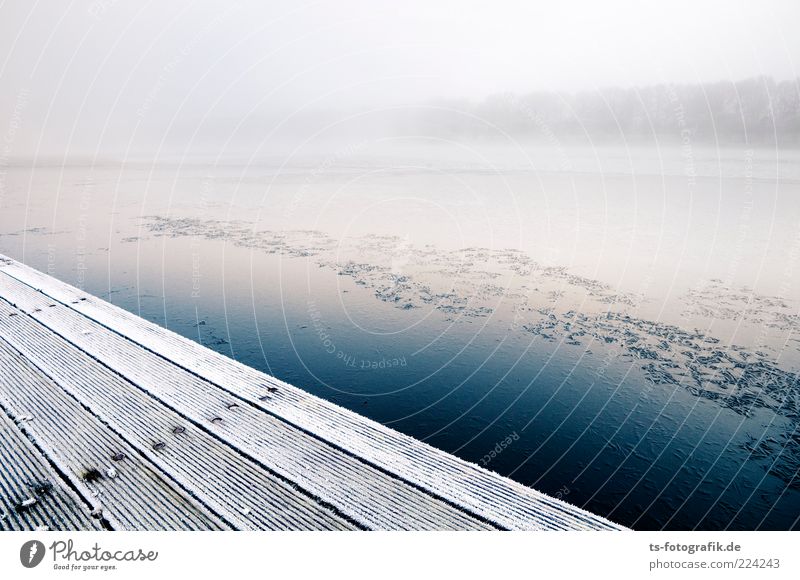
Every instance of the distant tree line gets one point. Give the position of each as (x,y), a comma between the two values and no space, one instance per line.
(755,111)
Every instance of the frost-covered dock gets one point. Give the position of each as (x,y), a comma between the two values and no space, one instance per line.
(109,421)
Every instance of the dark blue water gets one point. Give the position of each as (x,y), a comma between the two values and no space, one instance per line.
(645,455)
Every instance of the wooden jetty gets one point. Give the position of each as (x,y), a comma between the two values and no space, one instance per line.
(110,422)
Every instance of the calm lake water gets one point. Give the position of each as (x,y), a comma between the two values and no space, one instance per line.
(617,327)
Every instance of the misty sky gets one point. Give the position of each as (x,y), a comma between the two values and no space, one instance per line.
(82,75)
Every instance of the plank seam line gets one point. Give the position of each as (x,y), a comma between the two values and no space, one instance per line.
(283,479)
(464,510)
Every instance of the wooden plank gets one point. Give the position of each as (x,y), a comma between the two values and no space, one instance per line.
(383,502)
(32,494)
(224,482)
(128,493)
(488,495)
